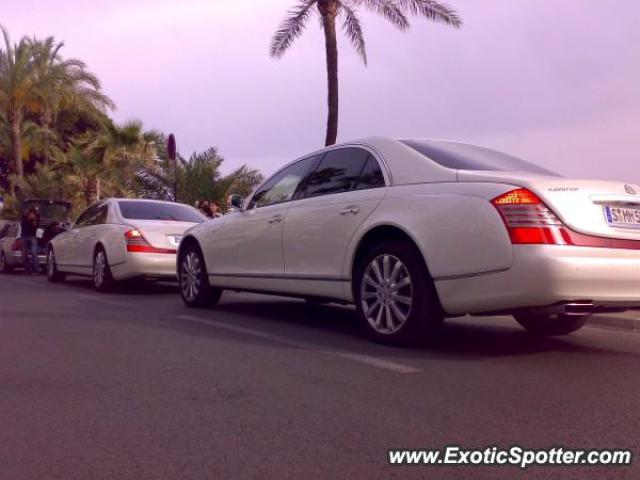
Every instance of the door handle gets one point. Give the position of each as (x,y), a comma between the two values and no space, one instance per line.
(275,219)
(353,210)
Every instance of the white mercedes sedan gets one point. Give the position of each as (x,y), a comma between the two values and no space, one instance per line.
(413,231)
(119,239)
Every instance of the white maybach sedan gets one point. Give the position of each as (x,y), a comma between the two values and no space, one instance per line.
(413,231)
(118,239)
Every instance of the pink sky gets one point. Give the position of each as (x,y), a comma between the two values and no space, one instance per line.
(556,82)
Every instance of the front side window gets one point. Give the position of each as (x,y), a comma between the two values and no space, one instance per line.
(339,171)
(282,186)
(168,212)
(88,217)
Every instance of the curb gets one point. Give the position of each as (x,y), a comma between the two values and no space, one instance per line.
(627,321)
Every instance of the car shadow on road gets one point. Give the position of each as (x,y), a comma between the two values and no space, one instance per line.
(133,287)
(335,326)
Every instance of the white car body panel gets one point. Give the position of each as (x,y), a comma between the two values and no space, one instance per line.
(449,216)
(248,242)
(318,230)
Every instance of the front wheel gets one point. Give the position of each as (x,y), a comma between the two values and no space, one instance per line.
(550,325)
(195,289)
(53,274)
(396,300)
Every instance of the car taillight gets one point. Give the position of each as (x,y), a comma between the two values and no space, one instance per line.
(528,219)
(16,246)
(136,243)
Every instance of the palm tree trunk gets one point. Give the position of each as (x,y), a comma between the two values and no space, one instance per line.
(46,120)
(17,153)
(329,10)
(90,190)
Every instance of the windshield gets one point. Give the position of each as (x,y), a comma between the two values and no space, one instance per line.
(460,156)
(171,212)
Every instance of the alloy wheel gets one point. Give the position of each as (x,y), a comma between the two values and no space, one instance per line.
(386,294)
(190,276)
(51,264)
(99,268)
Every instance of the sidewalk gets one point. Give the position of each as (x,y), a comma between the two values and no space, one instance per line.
(626,321)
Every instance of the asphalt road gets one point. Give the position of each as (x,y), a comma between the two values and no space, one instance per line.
(132,385)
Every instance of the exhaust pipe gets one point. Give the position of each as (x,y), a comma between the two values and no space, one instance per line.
(579,308)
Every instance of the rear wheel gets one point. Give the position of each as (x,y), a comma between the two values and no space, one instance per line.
(4,266)
(550,325)
(53,274)
(395,296)
(102,278)
(195,289)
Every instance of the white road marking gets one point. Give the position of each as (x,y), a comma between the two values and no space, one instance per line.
(355,357)
(110,301)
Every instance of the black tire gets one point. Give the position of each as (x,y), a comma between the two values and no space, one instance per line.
(5,268)
(550,325)
(101,274)
(53,274)
(415,298)
(195,290)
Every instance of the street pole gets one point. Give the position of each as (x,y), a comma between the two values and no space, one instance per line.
(171,152)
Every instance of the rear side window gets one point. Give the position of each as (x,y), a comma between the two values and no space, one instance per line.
(339,171)
(168,212)
(282,186)
(460,156)
(371,175)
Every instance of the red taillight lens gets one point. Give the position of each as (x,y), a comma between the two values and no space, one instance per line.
(16,246)
(136,243)
(528,219)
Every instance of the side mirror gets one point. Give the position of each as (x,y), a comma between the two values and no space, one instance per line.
(236,201)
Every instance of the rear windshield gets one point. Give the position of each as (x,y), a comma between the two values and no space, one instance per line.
(460,156)
(53,212)
(172,212)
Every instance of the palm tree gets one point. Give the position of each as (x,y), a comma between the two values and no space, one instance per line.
(17,92)
(395,11)
(64,84)
(106,161)
(199,178)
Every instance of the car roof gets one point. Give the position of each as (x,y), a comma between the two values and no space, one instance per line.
(404,164)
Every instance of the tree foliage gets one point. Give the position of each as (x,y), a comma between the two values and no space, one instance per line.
(58,141)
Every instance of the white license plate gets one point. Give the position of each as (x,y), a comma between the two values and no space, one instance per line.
(625,217)
(174,239)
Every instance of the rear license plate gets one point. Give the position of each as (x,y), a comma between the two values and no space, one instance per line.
(625,217)
(174,239)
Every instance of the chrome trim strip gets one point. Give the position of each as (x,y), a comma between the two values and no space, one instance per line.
(281,277)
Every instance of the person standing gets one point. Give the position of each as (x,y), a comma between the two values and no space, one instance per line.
(206,209)
(29,228)
(215,210)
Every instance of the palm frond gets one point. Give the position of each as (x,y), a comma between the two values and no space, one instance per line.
(433,10)
(389,9)
(353,29)
(291,28)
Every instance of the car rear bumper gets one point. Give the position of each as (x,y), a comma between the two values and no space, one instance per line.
(14,259)
(159,265)
(545,275)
